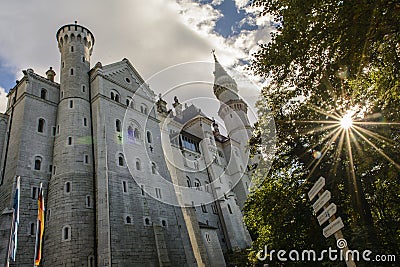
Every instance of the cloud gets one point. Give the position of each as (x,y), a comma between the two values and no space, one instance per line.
(3,100)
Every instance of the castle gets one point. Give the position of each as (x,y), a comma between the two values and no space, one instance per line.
(127,181)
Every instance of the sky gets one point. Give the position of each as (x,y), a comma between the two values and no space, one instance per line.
(155,35)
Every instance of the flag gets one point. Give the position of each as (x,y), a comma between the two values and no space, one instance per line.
(14,240)
(39,228)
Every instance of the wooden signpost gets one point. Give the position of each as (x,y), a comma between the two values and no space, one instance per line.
(328,214)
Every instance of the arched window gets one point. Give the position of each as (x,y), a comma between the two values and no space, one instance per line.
(197,184)
(136,133)
(188,181)
(163,223)
(112,95)
(43,93)
(66,233)
(138,165)
(149,139)
(120,160)
(130,132)
(143,109)
(128,220)
(41,124)
(117,98)
(115,95)
(67,187)
(153,168)
(229,209)
(38,163)
(72,71)
(118,125)
(147,221)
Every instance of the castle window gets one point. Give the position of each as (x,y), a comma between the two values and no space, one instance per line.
(88,202)
(153,168)
(34,192)
(41,124)
(43,93)
(203,208)
(120,160)
(127,102)
(207,186)
(66,233)
(128,220)
(124,187)
(71,71)
(53,131)
(118,125)
(38,163)
(84,121)
(142,190)
(117,98)
(83,59)
(163,223)
(138,165)
(69,142)
(86,159)
(127,80)
(83,88)
(214,209)
(158,193)
(197,184)
(188,181)
(143,109)
(58,129)
(32,229)
(114,95)
(72,48)
(71,103)
(229,209)
(67,187)
(136,133)
(147,221)
(62,64)
(208,238)
(48,215)
(148,135)
(62,94)
(91,261)
(54,170)
(50,168)
(130,132)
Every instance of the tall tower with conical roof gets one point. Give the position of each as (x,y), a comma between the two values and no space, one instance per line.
(233,110)
(71,211)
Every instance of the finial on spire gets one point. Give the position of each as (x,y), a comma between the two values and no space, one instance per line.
(76,22)
(215,57)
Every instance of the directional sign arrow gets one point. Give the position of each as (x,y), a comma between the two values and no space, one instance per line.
(333,227)
(327,213)
(323,199)
(316,188)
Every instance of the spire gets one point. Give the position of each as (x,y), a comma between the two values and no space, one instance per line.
(223,81)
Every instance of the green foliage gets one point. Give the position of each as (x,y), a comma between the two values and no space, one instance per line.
(326,58)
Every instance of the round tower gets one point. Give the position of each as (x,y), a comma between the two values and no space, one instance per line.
(70,230)
(233,110)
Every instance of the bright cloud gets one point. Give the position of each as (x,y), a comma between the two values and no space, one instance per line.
(3,100)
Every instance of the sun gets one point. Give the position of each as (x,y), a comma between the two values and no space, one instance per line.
(346,122)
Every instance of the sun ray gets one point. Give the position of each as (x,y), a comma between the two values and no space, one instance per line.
(323,112)
(338,152)
(324,151)
(377,149)
(376,136)
(320,141)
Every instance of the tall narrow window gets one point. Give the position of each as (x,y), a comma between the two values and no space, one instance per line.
(130,132)
(91,261)
(229,209)
(188,181)
(67,187)
(142,190)
(72,49)
(38,163)
(120,160)
(197,184)
(41,124)
(88,202)
(84,121)
(128,220)
(34,192)
(136,133)
(71,103)
(149,139)
(158,193)
(118,125)
(147,221)
(66,233)
(112,96)
(69,140)
(83,88)
(43,93)
(117,97)
(124,187)
(138,167)
(32,229)
(86,159)
(71,71)
(153,168)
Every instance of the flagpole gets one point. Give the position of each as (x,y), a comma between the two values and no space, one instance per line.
(9,241)
(37,228)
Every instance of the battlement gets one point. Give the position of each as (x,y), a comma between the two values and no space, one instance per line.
(75,33)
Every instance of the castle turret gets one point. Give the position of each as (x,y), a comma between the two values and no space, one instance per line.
(233,110)
(70,231)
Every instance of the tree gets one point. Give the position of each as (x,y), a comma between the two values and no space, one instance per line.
(328,59)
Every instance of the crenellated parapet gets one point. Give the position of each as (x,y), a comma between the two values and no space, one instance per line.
(74,33)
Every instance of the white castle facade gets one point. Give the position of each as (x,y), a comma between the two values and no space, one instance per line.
(127,182)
